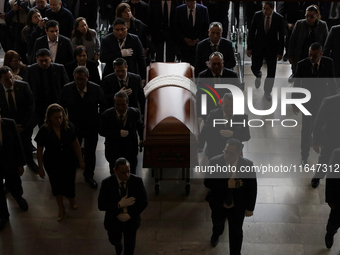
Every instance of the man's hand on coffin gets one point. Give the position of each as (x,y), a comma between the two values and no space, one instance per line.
(123,217)
(124,133)
(127,52)
(126,201)
(226,133)
(248,213)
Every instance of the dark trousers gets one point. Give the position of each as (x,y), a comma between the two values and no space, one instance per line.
(170,50)
(235,218)
(129,230)
(188,54)
(26,139)
(256,64)
(306,133)
(132,160)
(4,214)
(13,182)
(90,146)
(334,220)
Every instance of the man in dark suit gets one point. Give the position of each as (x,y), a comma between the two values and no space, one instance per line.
(192,22)
(12,160)
(123,198)
(265,41)
(214,43)
(122,80)
(82,99)
(215,74)
(231,195)
(59,46)
(162,28)
(330,12)
(62,15)
(332,48)
(17,102)
(121,44)
(119,126)
(46,80)
(216,137)
(308,74)
(326,132)
(333,194)
(85,8)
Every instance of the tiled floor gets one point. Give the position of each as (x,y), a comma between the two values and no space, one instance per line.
(289,217)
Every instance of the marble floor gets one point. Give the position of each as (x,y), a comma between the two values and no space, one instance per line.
(289,218)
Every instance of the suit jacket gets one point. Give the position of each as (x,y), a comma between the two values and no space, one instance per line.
(87,9)
(305,78)
(65,19)
(90,65)
(64,51)
(109,196)
(111,86)
(24,102)
(333,180)
(332,48)
(243,197)
(259,41)
(204,50)
(110,129)
(11,150)
(110,50)
(326,130)
(83,111)
(43,97)
(300,32)
(185,30)
(293,11)
(157,29)
(211,135)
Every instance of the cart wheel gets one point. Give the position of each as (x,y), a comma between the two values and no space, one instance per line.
(187,189)
(157,189)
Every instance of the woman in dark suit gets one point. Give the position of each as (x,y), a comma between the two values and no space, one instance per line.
(58,137)
(80,55)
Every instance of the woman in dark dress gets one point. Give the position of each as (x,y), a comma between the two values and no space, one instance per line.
(58,137)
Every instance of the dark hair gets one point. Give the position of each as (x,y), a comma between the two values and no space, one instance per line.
(9,55)
(313,8)
(121,8)
(121,162)
(52,109)
(119,21)
(51,23)
(270,3)
(81,69)
(30,15)
(119,62)
(236,143)
(78,35)
(78,50)
(4,70)
(121,94)
(42,53)
(316,46)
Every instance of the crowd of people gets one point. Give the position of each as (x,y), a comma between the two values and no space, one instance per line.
(50,78)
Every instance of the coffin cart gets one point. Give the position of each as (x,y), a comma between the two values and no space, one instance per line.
(171,130)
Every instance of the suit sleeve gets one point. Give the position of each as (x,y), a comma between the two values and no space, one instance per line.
(105,200)
(251,192)
(242,134)
(199,65)
(140,59)
(69,55)
(333,184)
(19,157)
(141,96)
(329,43)
(294,39)
(141,199)
(203,136)
(102,101)
(205,25)
(229,58)
(281,36)
(140,125)
(108,52)
(64,77)
(29,106)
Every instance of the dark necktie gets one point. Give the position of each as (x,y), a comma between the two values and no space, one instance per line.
(122,189)
(333,11)
(266,27)
(214,47)
(121,120)
(11,103)
(315,70)
(122,83)
(191,20)
(165,15)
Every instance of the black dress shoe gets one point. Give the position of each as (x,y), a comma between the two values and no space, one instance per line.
(214,240)
(93,184)
(268,96)
(329,240)
(3,223)
(119,248)
(315,182)
(257,82)
(22,203)
(33,166)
